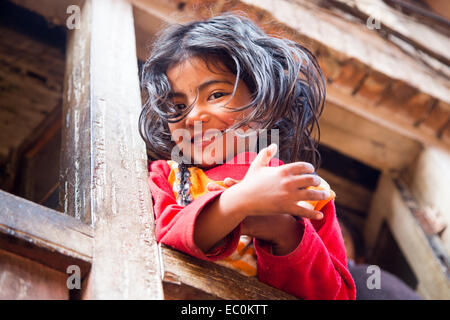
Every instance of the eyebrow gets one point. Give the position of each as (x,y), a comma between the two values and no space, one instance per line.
(200,87)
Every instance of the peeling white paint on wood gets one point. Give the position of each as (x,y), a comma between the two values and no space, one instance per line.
(126,264)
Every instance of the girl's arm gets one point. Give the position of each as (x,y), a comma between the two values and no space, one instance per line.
(265,190)
(196,228)
(317,268)
(212,218)
(291,255)
(174,224)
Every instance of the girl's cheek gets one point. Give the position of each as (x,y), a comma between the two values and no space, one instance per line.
(178,133)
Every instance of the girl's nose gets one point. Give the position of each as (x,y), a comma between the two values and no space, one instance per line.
(197,113)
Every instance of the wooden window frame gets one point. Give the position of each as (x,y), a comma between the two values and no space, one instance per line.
(103,117)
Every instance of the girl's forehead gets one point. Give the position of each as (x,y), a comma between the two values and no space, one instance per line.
(197,69)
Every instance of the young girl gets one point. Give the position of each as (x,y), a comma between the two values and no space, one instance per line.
(209,84)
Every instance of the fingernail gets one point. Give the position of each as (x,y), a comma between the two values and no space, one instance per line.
(327,194)
(318,216)
(272,148)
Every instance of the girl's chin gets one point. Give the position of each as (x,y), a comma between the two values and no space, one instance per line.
(207,161)
(209,156)
(206,156)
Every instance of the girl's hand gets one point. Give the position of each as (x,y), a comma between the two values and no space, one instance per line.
(216,187)
(282,230)
(269,190)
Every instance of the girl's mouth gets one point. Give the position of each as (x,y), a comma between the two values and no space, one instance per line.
(206,138)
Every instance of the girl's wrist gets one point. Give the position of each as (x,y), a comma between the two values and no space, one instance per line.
(233,203)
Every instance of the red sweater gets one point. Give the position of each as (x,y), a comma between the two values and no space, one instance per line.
(316,269)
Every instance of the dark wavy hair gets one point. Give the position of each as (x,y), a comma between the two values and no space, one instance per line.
(284,78)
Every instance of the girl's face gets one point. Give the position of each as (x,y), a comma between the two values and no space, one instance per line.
(201,135)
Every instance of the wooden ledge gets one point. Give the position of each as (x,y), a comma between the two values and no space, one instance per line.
(44,235)
(185,277)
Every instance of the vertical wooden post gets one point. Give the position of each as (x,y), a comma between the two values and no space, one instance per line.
(429,180)
(75,159)
(389,205)
(104,164)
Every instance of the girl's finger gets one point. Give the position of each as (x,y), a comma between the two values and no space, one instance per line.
(214,187)
(230,182)
(300,211)
(296,168)
(303,181)
(311,195)
(264,156)
(305,205)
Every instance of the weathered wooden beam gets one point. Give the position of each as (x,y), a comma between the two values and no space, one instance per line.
(104,151)
(389,205)
(188,277)
(75,162)
(420,35)
(384,118)
(429,180)
(348,194)
(24,279)
(44,235)
(351,55)
(440,7)
(355,136)
(149,18)
(353,41)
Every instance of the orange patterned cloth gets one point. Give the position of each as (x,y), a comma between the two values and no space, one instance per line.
(243,259)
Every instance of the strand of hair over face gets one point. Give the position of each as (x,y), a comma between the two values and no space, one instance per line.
(287,86)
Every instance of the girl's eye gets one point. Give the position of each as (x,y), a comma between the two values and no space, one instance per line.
(217,95)
(180,106)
